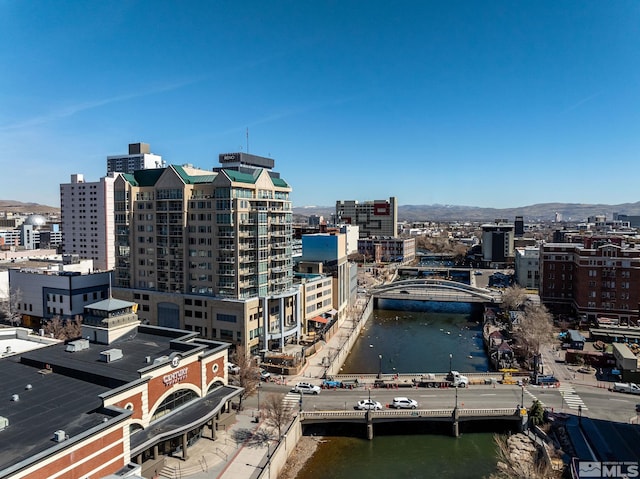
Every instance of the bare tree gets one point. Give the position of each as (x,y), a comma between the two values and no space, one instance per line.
(512,466)
(248,376)
(64,329)
(9,308)
(514,298)
(534,329)
(277,414)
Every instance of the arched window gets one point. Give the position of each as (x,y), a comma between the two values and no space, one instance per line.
(174,401)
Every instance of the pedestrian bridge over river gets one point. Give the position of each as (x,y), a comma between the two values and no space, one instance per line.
(436,290)
(451,415)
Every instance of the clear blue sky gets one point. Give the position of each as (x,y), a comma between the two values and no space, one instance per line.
(484,103)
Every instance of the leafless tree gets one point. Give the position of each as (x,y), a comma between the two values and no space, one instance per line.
(248,376)
(277,414)
(514,298)
(64,329)
(534,329)
(9,308)
(512,467)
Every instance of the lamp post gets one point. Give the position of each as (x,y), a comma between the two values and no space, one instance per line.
(259,387)
(450,359)
(456,388)
(580,414)
(522,395)
(379,366)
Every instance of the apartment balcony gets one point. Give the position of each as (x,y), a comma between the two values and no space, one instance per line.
(226,259)
(227,272)
(226,285)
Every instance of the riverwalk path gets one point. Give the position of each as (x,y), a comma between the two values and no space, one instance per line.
(240,451)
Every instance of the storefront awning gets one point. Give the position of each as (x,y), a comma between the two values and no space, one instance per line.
(332,312)
(320,319)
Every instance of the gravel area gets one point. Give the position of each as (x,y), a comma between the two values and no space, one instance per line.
(305,448)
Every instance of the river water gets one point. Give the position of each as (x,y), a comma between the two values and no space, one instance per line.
(411,341)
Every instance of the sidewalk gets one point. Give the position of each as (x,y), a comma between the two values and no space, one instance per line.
(241,451)
(237,452)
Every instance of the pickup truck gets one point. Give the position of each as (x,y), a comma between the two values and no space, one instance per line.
(331,384)
(631,388)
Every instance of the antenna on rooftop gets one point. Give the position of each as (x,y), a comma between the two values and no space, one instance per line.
(247,139)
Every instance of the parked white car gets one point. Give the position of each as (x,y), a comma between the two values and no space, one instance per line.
(306,388)
(368,404)
(233,368)
(404,403)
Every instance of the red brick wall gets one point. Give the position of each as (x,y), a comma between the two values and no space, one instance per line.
(210,376)
(136,400)
(157,387)
(104,444)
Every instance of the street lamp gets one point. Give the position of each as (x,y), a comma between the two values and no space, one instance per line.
(380,366)
(450,358)
(580,414)
(522,395)
(259,387)
(456,388)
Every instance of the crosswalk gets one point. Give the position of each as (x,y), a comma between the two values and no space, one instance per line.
(533,396)
(571,398)
(291,400)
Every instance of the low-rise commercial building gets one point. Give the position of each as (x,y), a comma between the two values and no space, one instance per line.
(128,394)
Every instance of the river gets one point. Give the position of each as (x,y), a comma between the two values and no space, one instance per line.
(411,341)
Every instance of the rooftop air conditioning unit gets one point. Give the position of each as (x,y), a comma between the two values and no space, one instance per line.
(59,435)
(77,345)
(111,355)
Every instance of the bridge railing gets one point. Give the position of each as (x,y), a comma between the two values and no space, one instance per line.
(441,284)
(443,412)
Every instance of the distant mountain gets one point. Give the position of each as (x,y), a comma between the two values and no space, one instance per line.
(531,213)
(12,206)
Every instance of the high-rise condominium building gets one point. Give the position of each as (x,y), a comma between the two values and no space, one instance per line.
(210,251)
(87,208)
(374,218)
(139,158)
(87,220)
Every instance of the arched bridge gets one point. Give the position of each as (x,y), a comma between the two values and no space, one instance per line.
(435,290)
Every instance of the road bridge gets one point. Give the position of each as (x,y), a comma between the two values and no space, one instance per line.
(435,290)
(452,415)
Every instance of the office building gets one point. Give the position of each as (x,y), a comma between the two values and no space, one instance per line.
(497,244)
(49,293)
(139,158)
(527,267)
(210,251)
(374,218)
(388,250)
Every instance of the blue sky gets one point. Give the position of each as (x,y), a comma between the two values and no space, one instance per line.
(496,104)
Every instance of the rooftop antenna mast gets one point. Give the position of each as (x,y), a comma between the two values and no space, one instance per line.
(247,139)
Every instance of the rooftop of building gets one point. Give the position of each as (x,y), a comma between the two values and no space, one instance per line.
(37,403)
(51,389)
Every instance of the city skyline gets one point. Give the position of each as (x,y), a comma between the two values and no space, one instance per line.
(494,105)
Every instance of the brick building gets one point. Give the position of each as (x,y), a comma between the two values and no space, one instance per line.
(600,277)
